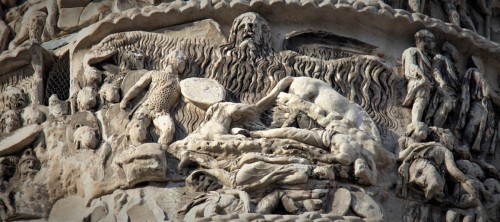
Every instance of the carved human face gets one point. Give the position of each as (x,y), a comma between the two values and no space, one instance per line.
(28,166)
(32,115)
(137,130)
(55,106)
(179,64)
(425,41)
(92,76)
(16,98)
(110,92)
(87,137)
(10,121)
(28,163)
(249,31)
(177,60)
(492,186)
(425,175)
(113,94)
(142,113)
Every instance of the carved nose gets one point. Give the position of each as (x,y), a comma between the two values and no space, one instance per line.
(248,27)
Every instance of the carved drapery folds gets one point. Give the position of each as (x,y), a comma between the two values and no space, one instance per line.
(452,131)
(180,122)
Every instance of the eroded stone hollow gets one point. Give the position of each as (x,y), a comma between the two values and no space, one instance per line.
(337,110)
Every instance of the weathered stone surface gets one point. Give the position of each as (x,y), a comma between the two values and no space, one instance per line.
(202,92)
(69,17)
(72,3)
(341,202)
(364,206)
(143,163)
(19,139)
(358,110)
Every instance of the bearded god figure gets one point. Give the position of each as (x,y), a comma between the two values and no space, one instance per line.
(295,115)
(248,67)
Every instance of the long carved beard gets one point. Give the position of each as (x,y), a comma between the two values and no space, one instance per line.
(248,51)
(243,71)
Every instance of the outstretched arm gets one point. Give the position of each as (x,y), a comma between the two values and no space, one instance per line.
(266,102)
(143,82)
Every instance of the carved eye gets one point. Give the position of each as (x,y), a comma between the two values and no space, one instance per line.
(78,125)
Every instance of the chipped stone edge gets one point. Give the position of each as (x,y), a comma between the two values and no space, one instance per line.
(380,9)
(187,11)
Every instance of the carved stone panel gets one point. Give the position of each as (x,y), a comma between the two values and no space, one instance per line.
(337,110)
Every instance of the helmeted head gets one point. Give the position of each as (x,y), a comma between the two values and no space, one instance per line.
(28,163)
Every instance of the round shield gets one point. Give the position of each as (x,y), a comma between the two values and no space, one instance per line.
(202,92)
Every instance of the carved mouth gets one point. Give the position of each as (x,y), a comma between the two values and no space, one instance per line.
(248,35)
